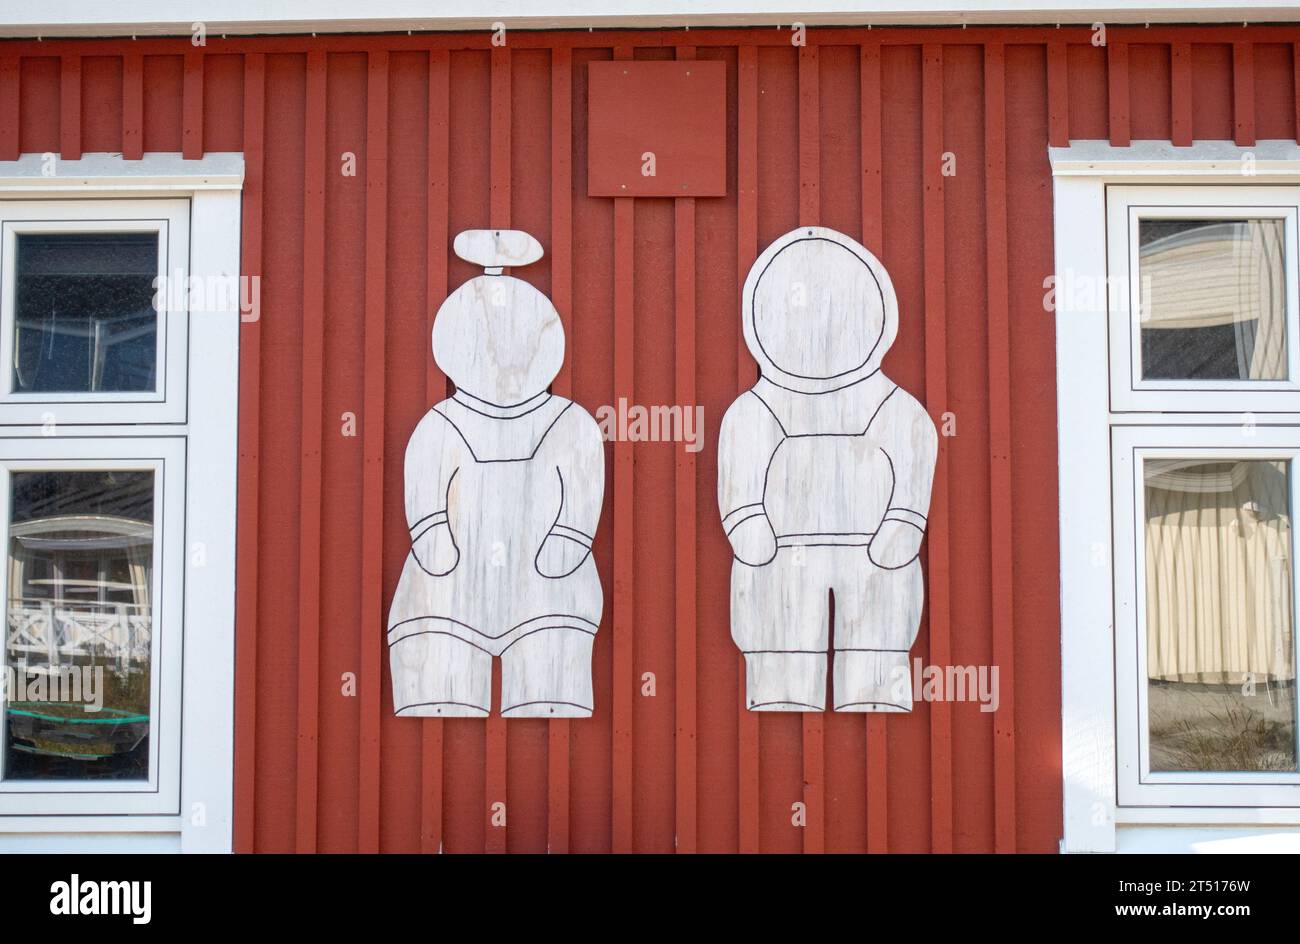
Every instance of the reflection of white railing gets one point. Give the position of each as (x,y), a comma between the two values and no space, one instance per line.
(60,630)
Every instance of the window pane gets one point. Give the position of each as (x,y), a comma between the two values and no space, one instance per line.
(1220,633)
(80,624)
(84,312)
(1212,299)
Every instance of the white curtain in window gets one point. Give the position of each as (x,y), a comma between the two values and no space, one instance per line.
(1218,571)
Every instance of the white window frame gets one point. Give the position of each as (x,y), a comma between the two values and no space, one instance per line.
(1137,784)
(1093,818)
(165,458)
(1126,206)
(191,808)
(169,218)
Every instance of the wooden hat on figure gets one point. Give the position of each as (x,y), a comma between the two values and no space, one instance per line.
(504,484)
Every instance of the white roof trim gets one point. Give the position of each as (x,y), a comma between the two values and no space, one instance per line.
(47,173)
(176,17)
(1156,159)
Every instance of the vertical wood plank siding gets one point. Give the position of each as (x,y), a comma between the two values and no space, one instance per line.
(438,146)
(448,132)
(558,757)
(247,617)
(746,373)
(313,386)
(685,530)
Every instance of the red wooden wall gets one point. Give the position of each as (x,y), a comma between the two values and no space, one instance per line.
(450,133)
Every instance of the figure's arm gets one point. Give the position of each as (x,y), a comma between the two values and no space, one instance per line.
(579,461)
(432,460)
(909,440)
(748,438)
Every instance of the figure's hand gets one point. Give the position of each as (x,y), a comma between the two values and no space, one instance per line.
(895,545)
(435,551)
(560,556)
(754,541)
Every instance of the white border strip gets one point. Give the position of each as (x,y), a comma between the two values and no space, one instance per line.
(208,748)
(1159,159)
(1145,840)
(48,173)
(177,17)
(1087,629)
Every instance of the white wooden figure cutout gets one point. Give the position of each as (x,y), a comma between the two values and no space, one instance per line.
(504,484)
(824,474)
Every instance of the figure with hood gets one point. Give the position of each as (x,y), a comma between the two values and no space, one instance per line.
(824,475)
(504,483)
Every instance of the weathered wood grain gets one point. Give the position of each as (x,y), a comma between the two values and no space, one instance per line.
(824,475)
(504,484)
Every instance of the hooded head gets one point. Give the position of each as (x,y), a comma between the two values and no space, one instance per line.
(819,311)
(499,339)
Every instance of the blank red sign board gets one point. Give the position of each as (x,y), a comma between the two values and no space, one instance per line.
(665,116)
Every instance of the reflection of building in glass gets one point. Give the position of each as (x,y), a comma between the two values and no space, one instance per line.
(84,313)
(80,585)
(1213,299)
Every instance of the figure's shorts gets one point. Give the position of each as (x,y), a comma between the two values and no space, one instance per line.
(443,669)
(781,620)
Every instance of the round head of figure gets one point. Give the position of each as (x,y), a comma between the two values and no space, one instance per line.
(499,339)
(819,311)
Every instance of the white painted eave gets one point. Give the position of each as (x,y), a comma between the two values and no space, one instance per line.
(1156,159)
(46,173)
(22,18)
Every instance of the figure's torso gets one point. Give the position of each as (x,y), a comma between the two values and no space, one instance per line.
(829,480)
(506,494)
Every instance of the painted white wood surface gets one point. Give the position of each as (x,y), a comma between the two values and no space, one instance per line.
(504,484)
(494,248)
(824,474)
(1087,603)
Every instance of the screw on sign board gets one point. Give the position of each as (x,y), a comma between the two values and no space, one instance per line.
(504,484)
(824,474)
(657,129)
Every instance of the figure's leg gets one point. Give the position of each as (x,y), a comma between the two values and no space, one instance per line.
(779,619)
(546,673)
(877,615)
(436,675)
